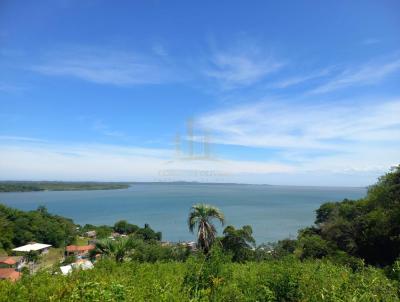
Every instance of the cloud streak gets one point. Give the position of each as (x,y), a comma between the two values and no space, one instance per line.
(358,135)
(370,73)
(282,123)
(292,81)
(107,66)
(241,66)
(41,161)
(111,162)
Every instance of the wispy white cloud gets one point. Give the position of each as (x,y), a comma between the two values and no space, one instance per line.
(38,161)
(241,66)
(286,124)
(110,162)
(160,50)
(107,66)
(100,126)
(370,41)
(20,138)
(370,73)
(292,81)
(356,135)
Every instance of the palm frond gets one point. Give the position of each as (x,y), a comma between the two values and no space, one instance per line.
(201,216)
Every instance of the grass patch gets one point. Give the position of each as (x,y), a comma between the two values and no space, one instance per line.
(81,240)
(53,257)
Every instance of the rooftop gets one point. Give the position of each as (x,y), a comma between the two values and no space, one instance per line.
(79,248)
(32,247)
(9,273)
(10,260)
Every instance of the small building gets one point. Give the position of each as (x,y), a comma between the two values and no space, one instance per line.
(16,262)
(90,234)
(66,269)
(79,264)
(83,264)
(33,246)
(78,250)
(9,274)
(191,245)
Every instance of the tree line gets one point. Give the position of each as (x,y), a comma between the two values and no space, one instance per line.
(30,186)
(350,232)
(20,227)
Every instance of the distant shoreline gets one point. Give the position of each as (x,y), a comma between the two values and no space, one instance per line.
(40,186)
(9,186)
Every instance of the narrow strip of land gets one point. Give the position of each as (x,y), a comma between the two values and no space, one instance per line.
(30,186)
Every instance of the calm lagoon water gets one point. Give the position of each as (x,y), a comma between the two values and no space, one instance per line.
(274,212)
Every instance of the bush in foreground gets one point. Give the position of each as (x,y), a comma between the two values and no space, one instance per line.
(282,280)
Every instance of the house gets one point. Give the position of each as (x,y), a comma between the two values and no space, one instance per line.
(66,269)
(78,250)
(80,264)
(83,264)
(16,262)
(191,245)
(114,235)
(33,246)
(90,234)
(9,274)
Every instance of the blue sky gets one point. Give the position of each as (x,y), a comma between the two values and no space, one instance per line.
(297,93)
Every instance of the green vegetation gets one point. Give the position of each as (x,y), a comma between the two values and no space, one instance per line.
(214,280)
(239,243)
(53,257)
(367,229)
(134,248)
(27,186)
(201,216)
(117,248)
(124,228)
(102,231)
(350,254)
(19,227)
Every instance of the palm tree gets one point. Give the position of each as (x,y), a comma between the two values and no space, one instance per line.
(201,216)
(117,249)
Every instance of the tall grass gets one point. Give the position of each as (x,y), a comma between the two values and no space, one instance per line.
(283,280)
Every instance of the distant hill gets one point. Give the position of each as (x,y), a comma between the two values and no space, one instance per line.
(29,186)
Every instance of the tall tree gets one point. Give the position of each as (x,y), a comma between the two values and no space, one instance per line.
(239,242)
(368,228)
(201,217)
(117,249)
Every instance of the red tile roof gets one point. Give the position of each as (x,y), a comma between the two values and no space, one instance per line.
(79,248)
(8,260)
(9,273)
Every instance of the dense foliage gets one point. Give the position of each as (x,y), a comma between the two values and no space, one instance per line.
(102,231)
(368,228)
(238,242)
(20,227)
(27,186)
(216,280)
(136,248)
(122,227)
(327,262)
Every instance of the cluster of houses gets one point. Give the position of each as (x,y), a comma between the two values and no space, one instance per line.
(11,266)
(81,254)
